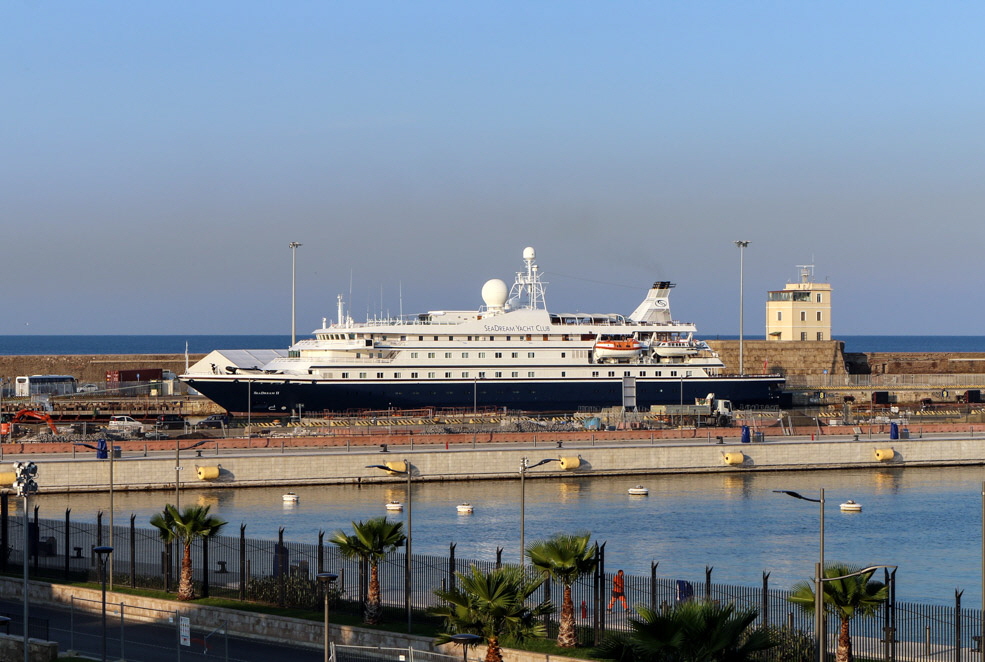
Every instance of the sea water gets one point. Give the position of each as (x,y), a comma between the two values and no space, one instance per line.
(925,520)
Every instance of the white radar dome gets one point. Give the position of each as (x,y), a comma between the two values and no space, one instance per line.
(528,253)
(494,293)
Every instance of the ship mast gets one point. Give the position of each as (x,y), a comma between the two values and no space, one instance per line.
(529,283)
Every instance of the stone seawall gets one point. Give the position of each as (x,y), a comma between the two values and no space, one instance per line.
(279,465)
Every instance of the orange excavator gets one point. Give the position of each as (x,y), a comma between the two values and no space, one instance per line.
(26,416)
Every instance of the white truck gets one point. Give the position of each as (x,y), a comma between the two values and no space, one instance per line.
(708,411)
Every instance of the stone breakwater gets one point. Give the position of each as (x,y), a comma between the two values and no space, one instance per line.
(342,459)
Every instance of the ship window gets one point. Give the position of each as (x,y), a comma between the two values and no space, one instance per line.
(413,355)
(362,375)
(359,355)
(413,375)
(436,337)
(514,374)
(497,374)
(563,354)
(465,374)
(515,355)
(508,338)
(530,355)
(482,375)
(564,374)
(465,355)
(403,338)
(612,373)
(430,355)
(451,337)
(469,338)
(447,355)
(595,373)
(420,338)
(545,337)
(659,373)
(345,375)
(642,373)
(448,375)
(626,374)
(673,373)
(529,337)
(530,374)
(491,338)
(379,375)
(566,337)
(498,355)
(431,375)
(482,355)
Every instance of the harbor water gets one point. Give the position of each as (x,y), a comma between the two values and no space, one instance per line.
(927,521)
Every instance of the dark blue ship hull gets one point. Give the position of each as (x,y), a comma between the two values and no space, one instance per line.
(277,397)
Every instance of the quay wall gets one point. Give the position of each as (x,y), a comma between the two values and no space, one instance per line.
(283,466)
(89,368)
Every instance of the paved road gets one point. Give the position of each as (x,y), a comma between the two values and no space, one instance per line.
(149,642)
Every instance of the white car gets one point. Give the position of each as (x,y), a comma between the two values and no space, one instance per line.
(87,388)
(125,424)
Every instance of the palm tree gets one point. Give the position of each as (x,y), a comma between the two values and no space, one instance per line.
(565,558)
(694,631)
(371,542)
(845,597)
(492,605)
(184,527)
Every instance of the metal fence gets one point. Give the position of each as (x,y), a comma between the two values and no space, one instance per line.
(283,573)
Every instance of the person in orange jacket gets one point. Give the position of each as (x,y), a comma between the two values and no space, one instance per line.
(618,591)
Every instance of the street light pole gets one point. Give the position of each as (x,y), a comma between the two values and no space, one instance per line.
(26,486)
(820,632)
(294,249)
(524,465)
(408,582)
(102,553)
(742,246)
(326,579)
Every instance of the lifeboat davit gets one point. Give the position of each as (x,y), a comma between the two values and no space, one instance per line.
(618,348)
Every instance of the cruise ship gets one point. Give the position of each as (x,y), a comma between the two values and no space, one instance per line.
(510,354)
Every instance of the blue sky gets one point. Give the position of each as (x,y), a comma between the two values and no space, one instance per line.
(157,159)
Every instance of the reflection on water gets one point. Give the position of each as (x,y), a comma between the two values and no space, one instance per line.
(927,521)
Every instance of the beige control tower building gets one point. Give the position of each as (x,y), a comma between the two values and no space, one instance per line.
(801,311)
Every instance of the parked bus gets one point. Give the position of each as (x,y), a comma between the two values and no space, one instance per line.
(29,385)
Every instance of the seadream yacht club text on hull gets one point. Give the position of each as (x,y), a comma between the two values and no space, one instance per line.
(510,353)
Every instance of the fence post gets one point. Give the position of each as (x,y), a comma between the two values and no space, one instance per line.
(599,596)
(499,558)
(242,562)
(68,521)
(708,570)
(451,565)
(99,528)
(889,629)
(4,519)
(280,561)
(167,567)
(133,551)
(653,584)
(321,551)
(957,625)
(765,620)
(36,539)
(205,566)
